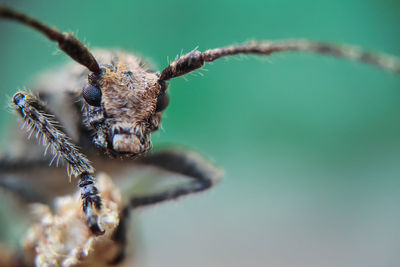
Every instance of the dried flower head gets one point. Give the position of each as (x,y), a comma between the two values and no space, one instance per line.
(62,238)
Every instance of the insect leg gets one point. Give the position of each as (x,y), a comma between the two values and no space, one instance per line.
(201,173)
(34,115)
(9,164)
(196,59)
(22,190)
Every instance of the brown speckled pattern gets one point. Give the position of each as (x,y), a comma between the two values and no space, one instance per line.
(129,98)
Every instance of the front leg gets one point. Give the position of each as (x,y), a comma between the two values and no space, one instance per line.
(201,175)
(38,121)
(198,174)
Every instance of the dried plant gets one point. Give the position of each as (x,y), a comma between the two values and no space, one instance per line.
(62,238)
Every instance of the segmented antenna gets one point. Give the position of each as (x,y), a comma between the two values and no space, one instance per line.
(196,59)
(66,42)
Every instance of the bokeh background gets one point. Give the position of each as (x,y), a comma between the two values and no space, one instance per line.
(310,145)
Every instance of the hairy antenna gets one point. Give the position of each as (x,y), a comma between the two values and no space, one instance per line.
(196,59)
(66,42)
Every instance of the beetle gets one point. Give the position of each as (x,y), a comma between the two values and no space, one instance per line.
(114,103)
(122,102)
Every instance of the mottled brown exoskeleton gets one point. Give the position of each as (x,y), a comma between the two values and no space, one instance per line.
(112,102)
(109,101)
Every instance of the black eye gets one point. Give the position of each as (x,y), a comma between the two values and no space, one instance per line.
(92,95)
(162,102)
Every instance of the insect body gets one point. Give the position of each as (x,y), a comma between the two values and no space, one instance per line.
(122,103)
(112,101)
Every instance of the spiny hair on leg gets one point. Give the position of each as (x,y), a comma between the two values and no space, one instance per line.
(47,130)
(34,114)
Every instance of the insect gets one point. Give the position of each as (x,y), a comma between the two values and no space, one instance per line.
(114,103)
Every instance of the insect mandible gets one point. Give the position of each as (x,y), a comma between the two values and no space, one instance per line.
(121,102)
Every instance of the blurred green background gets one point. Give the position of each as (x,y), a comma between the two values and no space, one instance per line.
(310,145)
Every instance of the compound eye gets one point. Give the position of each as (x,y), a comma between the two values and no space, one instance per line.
(162,102)
(92,95)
